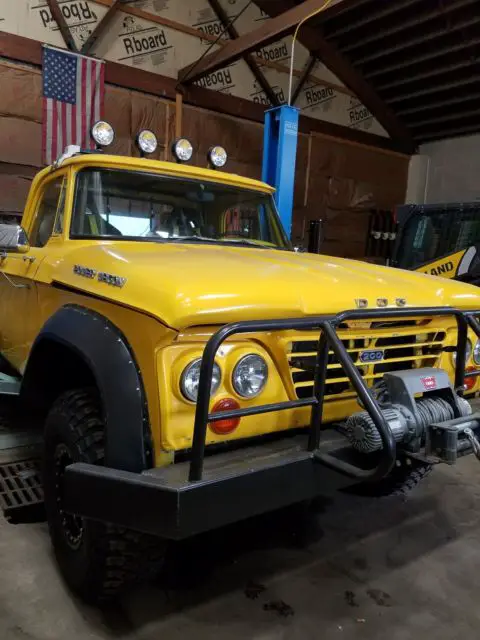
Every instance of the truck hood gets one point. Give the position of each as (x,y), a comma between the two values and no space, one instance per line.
(189,284)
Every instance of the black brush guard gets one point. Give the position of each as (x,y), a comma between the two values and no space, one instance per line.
(327,327)
(204,493)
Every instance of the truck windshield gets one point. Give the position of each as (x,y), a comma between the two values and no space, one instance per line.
(437,232)
(130,205)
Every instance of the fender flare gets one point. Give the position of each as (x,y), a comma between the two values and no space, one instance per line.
(105,350)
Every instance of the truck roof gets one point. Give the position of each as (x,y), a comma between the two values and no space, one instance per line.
(85,160)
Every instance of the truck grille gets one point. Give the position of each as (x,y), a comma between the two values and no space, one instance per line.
(405,345)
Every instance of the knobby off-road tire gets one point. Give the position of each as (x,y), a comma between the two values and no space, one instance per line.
(401,481)
(98,561)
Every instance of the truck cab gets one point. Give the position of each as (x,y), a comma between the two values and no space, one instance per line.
(186,368)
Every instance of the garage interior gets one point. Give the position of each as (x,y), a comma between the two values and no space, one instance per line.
(389,123)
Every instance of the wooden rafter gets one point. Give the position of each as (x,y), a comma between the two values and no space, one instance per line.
(249,59)
(304,77)
(191,31)
(271,30)
(62,25)
(164,22)
(312,38)
(101,27)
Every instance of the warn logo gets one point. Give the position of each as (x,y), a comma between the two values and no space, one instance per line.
(429,383)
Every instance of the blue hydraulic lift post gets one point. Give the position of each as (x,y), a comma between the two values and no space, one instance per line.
(279,157)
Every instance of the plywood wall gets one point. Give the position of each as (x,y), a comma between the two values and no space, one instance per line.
(345,181)
(337,181)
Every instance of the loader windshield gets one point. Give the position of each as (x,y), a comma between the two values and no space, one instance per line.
(431,233)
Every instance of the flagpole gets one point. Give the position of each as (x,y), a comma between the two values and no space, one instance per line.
(72,53)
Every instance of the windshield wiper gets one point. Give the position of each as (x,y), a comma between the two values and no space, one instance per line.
(243,242)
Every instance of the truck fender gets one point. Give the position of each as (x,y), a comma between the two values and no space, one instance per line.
(106,352)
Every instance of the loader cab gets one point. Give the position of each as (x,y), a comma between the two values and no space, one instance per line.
(441,240)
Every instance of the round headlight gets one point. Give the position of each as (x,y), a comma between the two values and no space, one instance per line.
(147,141)
(182,150)
(476,353)
(191,378)
(217,156)
(468,353)
(103,133)
(250,376)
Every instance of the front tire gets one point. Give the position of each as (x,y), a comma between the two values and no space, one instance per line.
(97,560)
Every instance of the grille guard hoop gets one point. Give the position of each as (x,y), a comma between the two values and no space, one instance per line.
(327,327)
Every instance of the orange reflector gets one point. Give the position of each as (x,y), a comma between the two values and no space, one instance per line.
(224,427)
(470,382)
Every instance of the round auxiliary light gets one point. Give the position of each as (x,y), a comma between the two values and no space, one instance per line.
(147,141)
(103,134)
(226,426)
(182,150)
(250,376)
(217,157)
(191,377)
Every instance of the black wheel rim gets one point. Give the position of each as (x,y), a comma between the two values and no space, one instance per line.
(72,526)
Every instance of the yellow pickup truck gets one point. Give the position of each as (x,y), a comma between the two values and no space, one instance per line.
(187,368)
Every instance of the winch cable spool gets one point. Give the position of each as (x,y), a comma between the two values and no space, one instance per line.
(433,410)
(365,437)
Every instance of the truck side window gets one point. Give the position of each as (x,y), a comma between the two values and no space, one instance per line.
(50,213)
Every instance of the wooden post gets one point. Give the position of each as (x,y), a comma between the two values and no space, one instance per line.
(178,115)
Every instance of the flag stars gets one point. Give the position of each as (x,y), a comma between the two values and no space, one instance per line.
(60,76)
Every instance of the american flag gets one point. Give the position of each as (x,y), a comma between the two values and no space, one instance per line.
(73,99)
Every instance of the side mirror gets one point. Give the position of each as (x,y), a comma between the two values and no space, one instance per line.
(13,239)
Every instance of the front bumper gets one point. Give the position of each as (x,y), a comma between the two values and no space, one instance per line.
(235,486)
(211,491)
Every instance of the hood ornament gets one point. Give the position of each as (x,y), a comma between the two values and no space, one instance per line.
(362,303)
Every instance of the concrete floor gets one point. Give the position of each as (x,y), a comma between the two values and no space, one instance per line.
(385,569)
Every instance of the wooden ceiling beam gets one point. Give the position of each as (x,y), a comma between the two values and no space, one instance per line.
(437,88)
(62,25)
(249,59)
(434,54)
(270,31)
(402,80)
(101,27)
(421,40)
(457,115)
(401,26)
(370,17)
(304,78)
(333,59)
(438,104)
(448,133)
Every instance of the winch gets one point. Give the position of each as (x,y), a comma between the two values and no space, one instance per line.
(423,412)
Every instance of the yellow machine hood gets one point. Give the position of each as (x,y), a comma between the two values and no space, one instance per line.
(194,284)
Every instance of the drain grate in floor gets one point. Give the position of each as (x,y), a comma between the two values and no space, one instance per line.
(21,492)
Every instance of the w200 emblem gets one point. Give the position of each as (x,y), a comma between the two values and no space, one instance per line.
(373,355)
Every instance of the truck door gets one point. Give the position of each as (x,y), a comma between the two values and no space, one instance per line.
(18,293)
